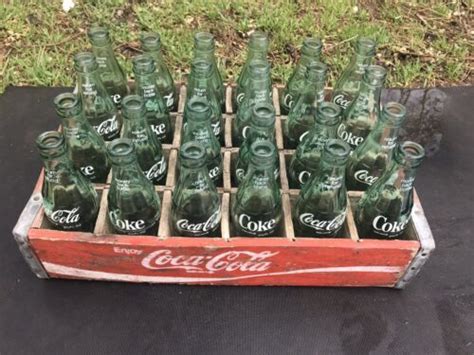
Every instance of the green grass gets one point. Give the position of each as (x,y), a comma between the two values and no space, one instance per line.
(422,43)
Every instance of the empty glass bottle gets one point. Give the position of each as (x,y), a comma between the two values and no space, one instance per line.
(133,204)
(348,85)
(198,128)
(258,90)
(256,210)
(204,48)
(321,207)
(111,72)
(200,85)
(151,44)
(262,127)
(306,160)
(372,158)
(384,210)
(257,50)
(157,113)
(310,52)
(99,108)
(69,199)
(148,148)
(302,114)
(86,148)
(359,119)
(196,207)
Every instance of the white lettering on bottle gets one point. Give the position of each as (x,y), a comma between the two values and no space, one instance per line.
(214,172)
(116,98)
(407,184)
(341,101)
(101,61)
(303,135)
(159,129)
(332,182)
(169,99)
(200,228)
(323,226)
(87,170)
(148,91)
(245,131)
(89,89)
(108,126)
(240,173)
(288,100)
(364,177)
(157,170)
(65,217)
(216,128)
(303,177)
(240,97)
(389,143)
(349,137)
(256,227)
(130,226)
(389,229)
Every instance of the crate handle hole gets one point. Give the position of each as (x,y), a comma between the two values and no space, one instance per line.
(36,198)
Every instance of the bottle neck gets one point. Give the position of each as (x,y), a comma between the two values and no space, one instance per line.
(196,178)
(206,54)
(199,130)
(384,135)
(259,89)
(369,96)
(89,83)
(256,54)
(359,62)
(260,176)
(330,177)
(53,166)
(260,133)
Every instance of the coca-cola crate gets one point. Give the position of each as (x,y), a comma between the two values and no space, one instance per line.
(225,259)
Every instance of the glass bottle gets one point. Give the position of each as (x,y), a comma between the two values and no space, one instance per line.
(310,52)
(69,199)
(204,49)
(98,107)
(200,85)
(86,148)
(372,158)
(198,128)
(157,113)
(302,114)
(257,50)
(359,119)
(384,210)
(258,90)
(256,210)
(111,72)
(151,44)
(133,203)
(321,207)
(348,85)
(305,161)
(195,207)
(262,127)
(148,148)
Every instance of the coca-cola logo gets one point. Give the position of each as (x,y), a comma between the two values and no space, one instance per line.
(342,101)
(256,227)
(157,170)
(382,225)
(65,217)
(322,225)
(288,100)
(130,226)
(349,137)
(364,177)
(228,261)
(201,227)
(108,126)
(169,99)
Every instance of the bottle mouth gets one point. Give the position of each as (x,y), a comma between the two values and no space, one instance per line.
(99,35)
(262,153)
(365,46)
(410,153)
(328,113)
(394,113)
(336,151)
(264,114)
(375,75)
(121,148)
(132,104)
(150,40)
(66,102)
(85,62)
(317,71)
(50,144)
(258,40)
(259,67)
(204,40)
(143,63)
(192,154)
(312,46)
(199,106)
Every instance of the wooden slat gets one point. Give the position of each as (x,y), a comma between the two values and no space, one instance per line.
(225,219)
(276,101)
(283,174)
(227,177)
(287,218)
(228,99)
(278,134)
(172,168)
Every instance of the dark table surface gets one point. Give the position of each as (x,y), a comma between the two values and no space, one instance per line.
(434,315)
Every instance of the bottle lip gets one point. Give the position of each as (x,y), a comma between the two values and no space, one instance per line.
(98,35)
(200,107)
(393,113)
(192,154)
(67,102)
(121,148)
(365,46)
(410,153)
(143,63)
(336,151)
(204,40)
(50,144)
(132,104)
(263,115)
(201,67)
(312,46)
(85,62)
(328,113)
(375,75)
(258,40)
(150,40)
(317,71)
(262,153)
(259,67)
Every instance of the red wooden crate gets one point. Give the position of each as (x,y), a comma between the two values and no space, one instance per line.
(228,259)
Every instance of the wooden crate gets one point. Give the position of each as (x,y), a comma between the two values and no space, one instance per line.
(227,259)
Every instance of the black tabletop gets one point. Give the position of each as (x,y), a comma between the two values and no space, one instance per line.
(433,315)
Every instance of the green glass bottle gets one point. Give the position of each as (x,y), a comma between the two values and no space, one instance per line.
(86,148)
(204,48)
(305,162)
(372,158)
(359,119)
(321,207)
(198,128)
(302,114)
(133,203)
(148,148)
(157,113)
(257,50)
(98,107)
(348,85)
(69,199)
(258,90)
(256,209)
(111,72)
(262,127)
(195,210)
(384,210)
(200,86)
(310,52)
(151,44)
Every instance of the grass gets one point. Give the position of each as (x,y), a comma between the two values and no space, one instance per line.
(422,43)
